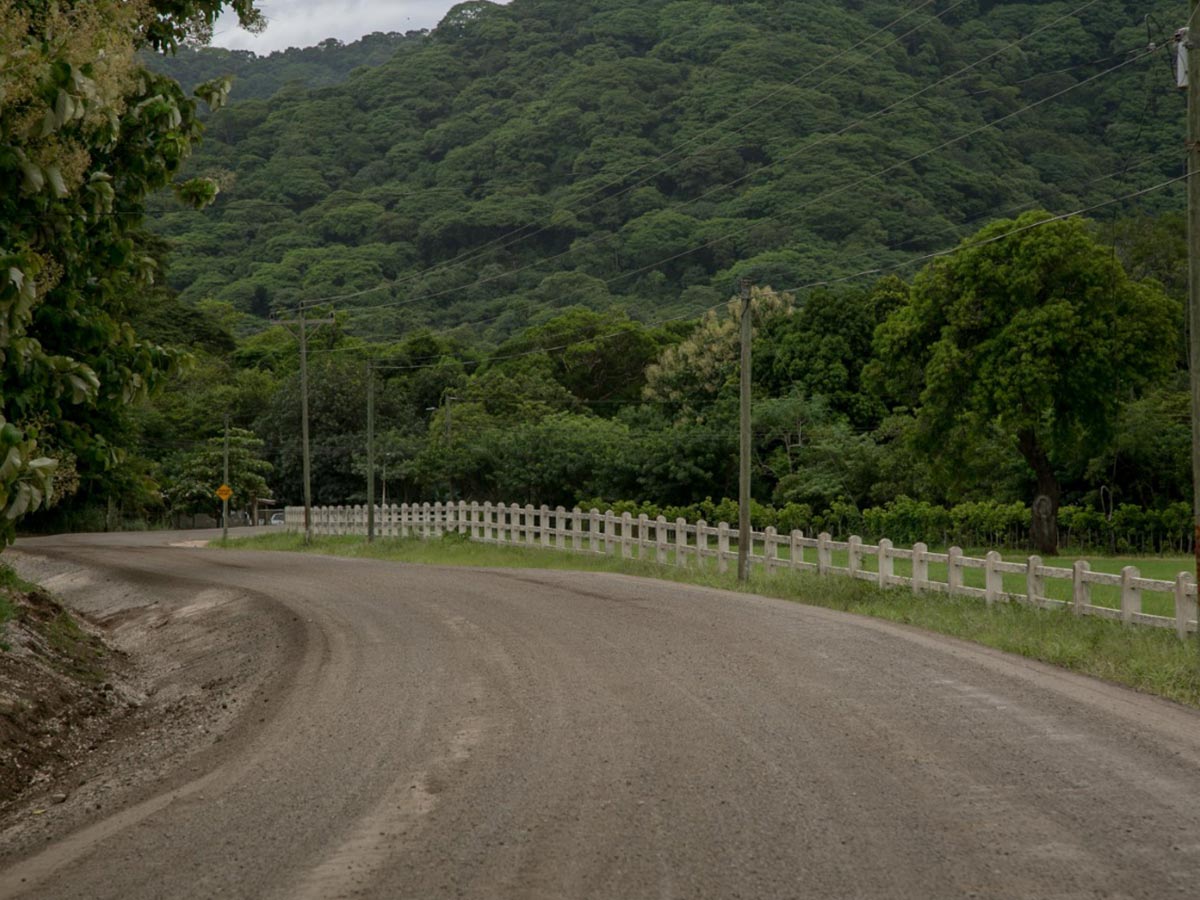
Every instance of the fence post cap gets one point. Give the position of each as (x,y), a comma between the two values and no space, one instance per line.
(660,519)
(993,556)
(855,540)
(920,547)
(1082,565)
(885,544)
(1035,560)
(681,521)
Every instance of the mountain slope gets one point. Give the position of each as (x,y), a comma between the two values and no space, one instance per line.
(539,139)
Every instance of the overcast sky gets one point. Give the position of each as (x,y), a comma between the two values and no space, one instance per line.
(302,23)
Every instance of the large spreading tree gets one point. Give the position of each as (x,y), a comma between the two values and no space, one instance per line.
(1033,330)
(86,134)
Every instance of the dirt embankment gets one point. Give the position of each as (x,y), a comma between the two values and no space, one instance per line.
(58,691)
(108,689)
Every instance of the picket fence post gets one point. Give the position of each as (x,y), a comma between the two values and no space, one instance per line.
(1185,603)
(920,567)
(954,570)
(886,562)
(1131,595)
(993,579)
(1035,581)
(854,557)
(824,553)
(1082,591)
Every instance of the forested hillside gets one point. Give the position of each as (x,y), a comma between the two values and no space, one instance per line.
(258,77)
(647,153)
(524,229)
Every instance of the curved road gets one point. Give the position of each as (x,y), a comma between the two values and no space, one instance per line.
(494,734)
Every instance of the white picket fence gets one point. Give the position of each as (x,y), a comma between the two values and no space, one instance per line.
(685,544)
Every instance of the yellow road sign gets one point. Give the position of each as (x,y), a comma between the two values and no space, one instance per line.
(224,492)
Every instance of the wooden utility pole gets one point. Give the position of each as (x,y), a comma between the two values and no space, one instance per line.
(449,402)
(302,324)
(744,534)
(370,453)
(225,481)
(1193,155)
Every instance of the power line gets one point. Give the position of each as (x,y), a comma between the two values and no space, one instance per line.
(825,282)
(367,312)
(469,255)
(823,139)
(813,284)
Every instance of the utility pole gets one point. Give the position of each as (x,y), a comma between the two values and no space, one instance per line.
(744,533)
(449,477)
(446,401)
(1193,155)
(370,453)
(225,481)
(302,324)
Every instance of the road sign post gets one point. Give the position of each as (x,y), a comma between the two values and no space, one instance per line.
(224,492)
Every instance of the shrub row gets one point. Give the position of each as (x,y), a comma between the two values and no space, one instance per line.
(986,523)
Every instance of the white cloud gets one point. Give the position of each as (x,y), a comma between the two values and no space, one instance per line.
(303,23)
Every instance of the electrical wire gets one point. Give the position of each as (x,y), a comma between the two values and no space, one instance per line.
(449,331)
(368,312)
(824,139)
(478,251)
(809,285)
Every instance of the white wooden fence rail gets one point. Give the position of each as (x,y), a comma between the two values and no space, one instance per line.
(686,544)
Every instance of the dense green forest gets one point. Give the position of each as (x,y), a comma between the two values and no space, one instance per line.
(261,77)
(531,222)
(647,154)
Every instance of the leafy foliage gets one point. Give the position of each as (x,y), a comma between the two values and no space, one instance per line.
(85,135)
(530,156)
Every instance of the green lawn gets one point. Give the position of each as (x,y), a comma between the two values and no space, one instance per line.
(1152,660)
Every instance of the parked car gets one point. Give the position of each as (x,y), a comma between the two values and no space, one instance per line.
(276,518)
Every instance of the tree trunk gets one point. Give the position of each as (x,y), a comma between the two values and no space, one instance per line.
(1044,526)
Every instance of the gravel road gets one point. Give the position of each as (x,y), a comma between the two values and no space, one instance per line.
(432,733)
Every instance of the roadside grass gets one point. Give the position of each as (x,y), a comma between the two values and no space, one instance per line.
(1151,660)
(10,582)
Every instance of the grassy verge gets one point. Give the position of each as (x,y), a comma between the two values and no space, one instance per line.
(1147,659)
(9,583)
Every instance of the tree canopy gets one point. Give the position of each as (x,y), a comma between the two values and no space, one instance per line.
(86,134)
(1037,335)
(646,153)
